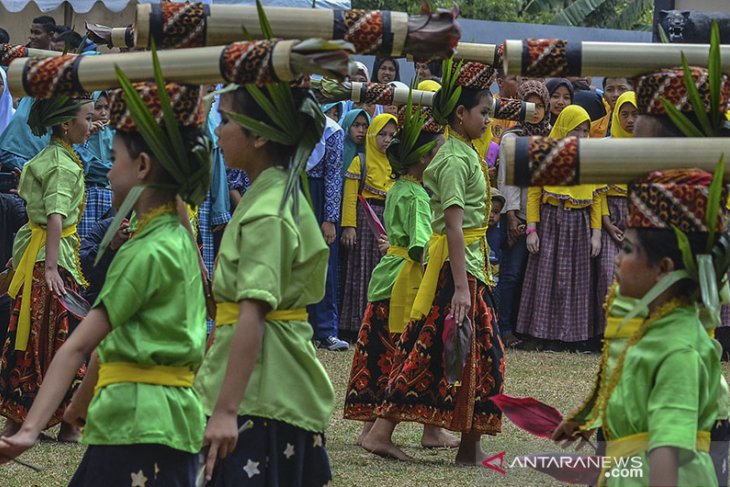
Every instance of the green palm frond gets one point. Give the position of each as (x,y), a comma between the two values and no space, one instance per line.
(714,201)
(687,255)
(448,96)
(403,152)
(577,12)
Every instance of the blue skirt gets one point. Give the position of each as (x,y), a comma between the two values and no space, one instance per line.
(146,465)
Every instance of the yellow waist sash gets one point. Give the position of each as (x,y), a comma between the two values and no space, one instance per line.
(23,278)
(404,290)
(438,253)
(615,330)
(227,314)
(162,375)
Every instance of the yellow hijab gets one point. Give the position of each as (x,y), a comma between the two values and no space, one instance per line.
(569,119)
(378,166)
(617,131)
(429,85)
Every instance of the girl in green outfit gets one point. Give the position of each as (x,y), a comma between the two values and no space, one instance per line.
(261,375)
(145,422)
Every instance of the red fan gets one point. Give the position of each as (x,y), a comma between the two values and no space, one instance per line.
(570,468)
(529,414)
(75,304)
(373,221)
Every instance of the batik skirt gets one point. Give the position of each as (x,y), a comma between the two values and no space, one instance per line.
(22,371)
(605,271)
(418,390)
(361,260)
(274,454)
(145,465)
(558,289)
(98,204)
(371,364)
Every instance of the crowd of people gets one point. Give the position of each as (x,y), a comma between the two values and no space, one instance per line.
(513,268)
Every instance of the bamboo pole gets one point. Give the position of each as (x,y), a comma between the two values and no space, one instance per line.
(556,58)
(606,161)
(385,33)
(10,52)
(205,65)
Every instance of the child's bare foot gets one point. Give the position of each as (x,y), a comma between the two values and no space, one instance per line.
(68,433)
(11,427)
(435,437)
(384,448)
(470,450)
(366,427)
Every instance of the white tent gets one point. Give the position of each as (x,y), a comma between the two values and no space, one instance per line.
(83,6)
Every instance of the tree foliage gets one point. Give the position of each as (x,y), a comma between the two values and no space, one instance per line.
(615,14)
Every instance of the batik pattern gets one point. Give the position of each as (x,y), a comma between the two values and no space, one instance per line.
(668,84)
(186,101)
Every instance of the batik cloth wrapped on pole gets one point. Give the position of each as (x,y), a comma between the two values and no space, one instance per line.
(11,52)
(389,94)
(257,62)
(561,58)
(542,161)
(380,32)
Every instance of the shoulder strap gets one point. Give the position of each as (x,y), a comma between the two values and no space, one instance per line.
(363,172)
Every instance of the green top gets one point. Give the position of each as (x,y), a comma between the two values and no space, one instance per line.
(669,388)
(407,220)
(153,296)
(280,259)
(455,177)
(52,182)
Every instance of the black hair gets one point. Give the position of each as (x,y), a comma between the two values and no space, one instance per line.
(74,38)
(376,67)
(48,23)
(4,36)
(243,103)
(400,169)
(469,98)
(657,244)
(136,145)
(629,81)
(662,126)
(434,67)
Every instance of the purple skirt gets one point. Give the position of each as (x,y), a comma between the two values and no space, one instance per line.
(606,263)
(558,289)
(360,262)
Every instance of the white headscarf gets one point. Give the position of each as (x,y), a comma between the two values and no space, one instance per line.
(6,103)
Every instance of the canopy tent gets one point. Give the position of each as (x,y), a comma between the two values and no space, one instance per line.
(83,6)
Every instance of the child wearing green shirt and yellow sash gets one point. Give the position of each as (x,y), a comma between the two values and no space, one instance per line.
(261,372)
(147,326)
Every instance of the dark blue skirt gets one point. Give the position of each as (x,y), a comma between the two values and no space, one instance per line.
(146,465)
(274,454)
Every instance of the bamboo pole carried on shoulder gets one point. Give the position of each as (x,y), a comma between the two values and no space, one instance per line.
(11,52)
(257,62)
(385,33)
(541,161)
(121,37)
(561,58)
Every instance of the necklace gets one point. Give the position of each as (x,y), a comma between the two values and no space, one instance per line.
(408,177)
(605,394)
(163,209)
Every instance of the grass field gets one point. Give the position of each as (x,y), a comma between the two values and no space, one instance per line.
(560,379)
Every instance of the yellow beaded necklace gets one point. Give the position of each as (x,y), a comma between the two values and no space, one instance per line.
(75,157)
(163,209)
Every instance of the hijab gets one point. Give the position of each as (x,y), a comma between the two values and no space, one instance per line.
(617,131)
(330,128)
(6,102)
(524,128)
(376,68)
(351,148)
(429,85)
(569,119)
(553,84)
(100,142)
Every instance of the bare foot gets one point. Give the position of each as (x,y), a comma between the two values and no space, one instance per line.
(472,458)
(68,433)
(384,448)
(11,427)
(366,427)
(470,450)
(435,437)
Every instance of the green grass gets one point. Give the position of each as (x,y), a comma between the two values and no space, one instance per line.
(560,379)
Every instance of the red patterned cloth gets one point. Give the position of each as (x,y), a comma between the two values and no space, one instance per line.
(674,198)
(474,75)
(9,52)
(54,76)
(22,371)
(669,84)
(186,100)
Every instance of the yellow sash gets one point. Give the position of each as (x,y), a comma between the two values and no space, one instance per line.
(162,375)
(227,314)
(23,278)
(438,252)
(613,323)
(631,445)
(404,290)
